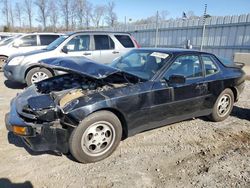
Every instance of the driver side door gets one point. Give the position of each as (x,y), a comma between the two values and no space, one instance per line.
(172,102)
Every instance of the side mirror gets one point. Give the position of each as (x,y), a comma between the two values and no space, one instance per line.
(177,79)
(65,50)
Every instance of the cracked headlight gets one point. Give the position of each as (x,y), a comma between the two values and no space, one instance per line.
(16,60)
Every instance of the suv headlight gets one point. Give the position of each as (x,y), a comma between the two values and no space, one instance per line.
(16,60)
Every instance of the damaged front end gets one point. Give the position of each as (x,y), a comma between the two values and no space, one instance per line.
(40,114)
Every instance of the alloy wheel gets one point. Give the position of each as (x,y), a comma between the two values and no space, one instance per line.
(224,105)
(98,138)
(38,76)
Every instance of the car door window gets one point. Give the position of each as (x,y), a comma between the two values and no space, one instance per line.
(125,40)
(78,43)
(47,39)
(187,65)
(103,42)
(210,66)
(30,40)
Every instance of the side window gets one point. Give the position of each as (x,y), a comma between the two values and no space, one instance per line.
(78,43)
(29,40)
(188,66)
(125,40)
(47,39)
(103,42)
(210,67)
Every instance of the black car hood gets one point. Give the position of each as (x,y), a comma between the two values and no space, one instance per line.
(79,65)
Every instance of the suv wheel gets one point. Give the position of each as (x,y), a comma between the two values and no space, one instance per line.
(2,61)
(96,137)
(37,74)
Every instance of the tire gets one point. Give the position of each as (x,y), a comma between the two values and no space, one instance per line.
(37,74)
(96,137)
(2,62)
(223,106)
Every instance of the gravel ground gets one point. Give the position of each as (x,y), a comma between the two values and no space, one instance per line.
(193,153)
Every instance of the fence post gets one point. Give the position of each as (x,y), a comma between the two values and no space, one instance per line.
(204,27)
(157,29)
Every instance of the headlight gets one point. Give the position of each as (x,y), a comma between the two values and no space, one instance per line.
(16,60)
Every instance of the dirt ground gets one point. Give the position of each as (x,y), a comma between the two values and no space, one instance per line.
(193,153)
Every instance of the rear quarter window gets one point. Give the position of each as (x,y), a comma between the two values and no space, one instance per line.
(125,40)
(47,39)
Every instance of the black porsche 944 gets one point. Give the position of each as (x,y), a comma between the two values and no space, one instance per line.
(89,108)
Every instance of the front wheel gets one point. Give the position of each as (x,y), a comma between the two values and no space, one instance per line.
(223,106)
(36,75)
(96,137)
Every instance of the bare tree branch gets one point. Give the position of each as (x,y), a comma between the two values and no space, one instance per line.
(53,14)
(98,13)
(43,11)
(28,10)
(111,17)
(18,13)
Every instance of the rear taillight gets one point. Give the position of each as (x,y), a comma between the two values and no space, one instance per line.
(136,43)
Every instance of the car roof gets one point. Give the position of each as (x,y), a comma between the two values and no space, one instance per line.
(173,50)
(92,32)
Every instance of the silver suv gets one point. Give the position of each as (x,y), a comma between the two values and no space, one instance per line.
(25,43)
(99,46)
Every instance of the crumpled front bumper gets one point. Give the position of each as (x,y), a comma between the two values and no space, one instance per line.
(40,137)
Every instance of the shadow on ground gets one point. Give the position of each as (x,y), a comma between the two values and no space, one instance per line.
(241,113)
(14,85)
(17,141)
(6,183)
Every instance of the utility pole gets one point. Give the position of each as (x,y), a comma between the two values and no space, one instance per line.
(204,27)
(157,29)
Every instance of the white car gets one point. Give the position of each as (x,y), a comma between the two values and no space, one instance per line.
(25,43)
(100,46)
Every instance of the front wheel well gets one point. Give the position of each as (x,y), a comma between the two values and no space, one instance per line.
(35,66)
(121,118)
(234,90)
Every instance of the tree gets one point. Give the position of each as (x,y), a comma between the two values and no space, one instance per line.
(65,8)
(43,11)
(5,11)
(53,14)
(111,17)
(80,11)
(98,13)
(18,14)
(87,13)
(11,15)
(28,11)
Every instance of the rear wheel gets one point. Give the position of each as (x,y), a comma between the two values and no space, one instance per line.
(96,137)
(37,74)
(223,106)
(3,59)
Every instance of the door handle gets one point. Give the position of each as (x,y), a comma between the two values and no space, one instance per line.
(115,52)
(87,53)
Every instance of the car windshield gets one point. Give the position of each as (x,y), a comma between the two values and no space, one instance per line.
(57,42)
(141,63)
(6,41)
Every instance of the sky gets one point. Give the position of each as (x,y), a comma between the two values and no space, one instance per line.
(139,9)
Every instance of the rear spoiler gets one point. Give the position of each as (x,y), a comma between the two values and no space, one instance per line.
(240,65)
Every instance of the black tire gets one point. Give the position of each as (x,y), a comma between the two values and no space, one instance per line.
(2,62)
(86,132)
(219,113)
(30,75)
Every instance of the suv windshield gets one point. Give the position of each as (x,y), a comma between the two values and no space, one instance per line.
(141,63)
(57,42)
(6,41)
